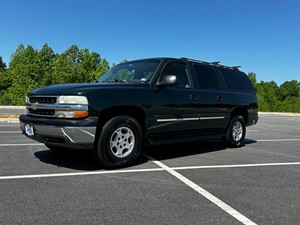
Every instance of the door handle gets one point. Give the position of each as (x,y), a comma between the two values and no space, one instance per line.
(194,97)
(220,98)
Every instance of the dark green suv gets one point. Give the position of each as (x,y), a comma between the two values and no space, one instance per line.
(148,101)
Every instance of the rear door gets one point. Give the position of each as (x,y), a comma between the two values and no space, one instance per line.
(210,91)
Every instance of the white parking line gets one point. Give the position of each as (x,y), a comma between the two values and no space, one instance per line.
(235,166)
(142,170)
(77,174)
(27,144)
(10,132)
(228,209)
(278,140)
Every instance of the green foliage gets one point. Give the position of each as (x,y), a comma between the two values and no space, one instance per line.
(271,98)
(30,69)
(2,64)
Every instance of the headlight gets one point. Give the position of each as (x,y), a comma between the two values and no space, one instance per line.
(80,100)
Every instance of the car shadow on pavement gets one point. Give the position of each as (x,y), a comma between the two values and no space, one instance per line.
(74,159)
(164,152)
(85,159)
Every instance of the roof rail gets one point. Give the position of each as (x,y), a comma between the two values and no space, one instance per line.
(195,60)
(235,67)
(217,63)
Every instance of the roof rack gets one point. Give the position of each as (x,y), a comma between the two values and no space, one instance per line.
(195,60)
(217,63)
(235,67)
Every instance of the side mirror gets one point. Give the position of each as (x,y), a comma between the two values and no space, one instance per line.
(168,80)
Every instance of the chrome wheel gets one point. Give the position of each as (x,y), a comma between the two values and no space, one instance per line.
(122,142)
(237,131)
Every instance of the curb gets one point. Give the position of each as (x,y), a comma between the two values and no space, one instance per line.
(279,113)
(9,120)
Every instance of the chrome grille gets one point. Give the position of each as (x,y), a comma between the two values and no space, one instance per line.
(41,105)
(42,99)
(42,112)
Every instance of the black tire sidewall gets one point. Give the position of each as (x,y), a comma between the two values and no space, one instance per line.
(105,156)
(229,139)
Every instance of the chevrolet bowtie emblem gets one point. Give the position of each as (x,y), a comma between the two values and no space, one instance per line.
(35,106)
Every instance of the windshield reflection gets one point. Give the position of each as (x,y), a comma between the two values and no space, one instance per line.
(134,71)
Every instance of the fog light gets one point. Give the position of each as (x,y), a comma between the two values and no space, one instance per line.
(71,114)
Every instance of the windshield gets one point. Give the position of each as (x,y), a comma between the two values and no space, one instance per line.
(135,71)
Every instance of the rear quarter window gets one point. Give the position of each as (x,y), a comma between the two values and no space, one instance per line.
(206,77)
(236,79)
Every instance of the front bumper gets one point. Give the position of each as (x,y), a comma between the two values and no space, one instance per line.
(78,134)
(252,119)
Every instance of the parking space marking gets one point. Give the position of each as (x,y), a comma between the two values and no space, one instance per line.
(10,132)
(235,166)
(278,140)
(27,144)
(142,170)
(78,174)
(228,209)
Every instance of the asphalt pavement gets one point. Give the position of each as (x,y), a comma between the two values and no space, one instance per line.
(188,183)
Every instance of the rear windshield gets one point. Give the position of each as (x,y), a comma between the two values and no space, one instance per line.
(236,79)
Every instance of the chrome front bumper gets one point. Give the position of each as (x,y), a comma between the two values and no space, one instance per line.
(65,136)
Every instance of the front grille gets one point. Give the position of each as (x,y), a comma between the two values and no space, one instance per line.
(41,105)
(42,112)
(42,100)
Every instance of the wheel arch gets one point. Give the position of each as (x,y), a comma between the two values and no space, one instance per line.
(133,111)
(240,111)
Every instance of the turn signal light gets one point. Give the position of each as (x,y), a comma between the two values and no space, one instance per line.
(80,114)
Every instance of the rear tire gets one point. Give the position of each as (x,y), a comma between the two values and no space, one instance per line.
(120,142)
(236,132)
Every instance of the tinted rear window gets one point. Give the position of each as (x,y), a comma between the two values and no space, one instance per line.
(206,77)
(236,79)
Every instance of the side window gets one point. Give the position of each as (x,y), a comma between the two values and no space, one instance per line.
(206,77)
(180,70)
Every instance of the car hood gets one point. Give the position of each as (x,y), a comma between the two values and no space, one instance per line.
(81,88)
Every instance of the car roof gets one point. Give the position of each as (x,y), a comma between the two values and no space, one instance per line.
(214,63)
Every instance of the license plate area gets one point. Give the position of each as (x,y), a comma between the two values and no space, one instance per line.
(29,131)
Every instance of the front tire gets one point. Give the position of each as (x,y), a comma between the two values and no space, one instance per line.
(120,142)
(236,132)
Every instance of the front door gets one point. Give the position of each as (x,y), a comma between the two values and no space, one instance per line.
(175,107)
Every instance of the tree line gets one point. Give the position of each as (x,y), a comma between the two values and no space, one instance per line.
(274,98)
(30,68)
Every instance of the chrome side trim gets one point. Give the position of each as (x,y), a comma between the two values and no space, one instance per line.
(212,118)
(177,119)
(190,119)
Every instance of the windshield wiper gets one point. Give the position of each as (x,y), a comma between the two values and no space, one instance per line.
(116,80)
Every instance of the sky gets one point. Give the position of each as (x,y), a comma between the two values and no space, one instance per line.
(261,36)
